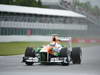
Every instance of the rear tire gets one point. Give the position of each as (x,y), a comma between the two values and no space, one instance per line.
(76,55)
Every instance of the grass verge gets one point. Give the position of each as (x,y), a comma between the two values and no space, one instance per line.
(16,48)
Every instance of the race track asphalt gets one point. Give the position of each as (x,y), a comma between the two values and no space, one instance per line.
(11,65)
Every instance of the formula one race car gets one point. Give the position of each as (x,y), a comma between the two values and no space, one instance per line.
(54,53)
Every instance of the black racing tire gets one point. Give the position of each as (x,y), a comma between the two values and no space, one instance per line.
(63,52)
(29,63)
(76,55)
(30,52)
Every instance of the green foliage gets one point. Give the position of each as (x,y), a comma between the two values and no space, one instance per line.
(24,2)
(30,3)
(39,3)
(95,10)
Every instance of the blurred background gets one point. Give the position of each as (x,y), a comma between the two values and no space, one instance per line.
(23,18)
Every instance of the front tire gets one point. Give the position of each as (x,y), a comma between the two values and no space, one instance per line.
(29,52)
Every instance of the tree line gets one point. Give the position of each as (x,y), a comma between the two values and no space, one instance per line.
(88,7)
(30,3)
